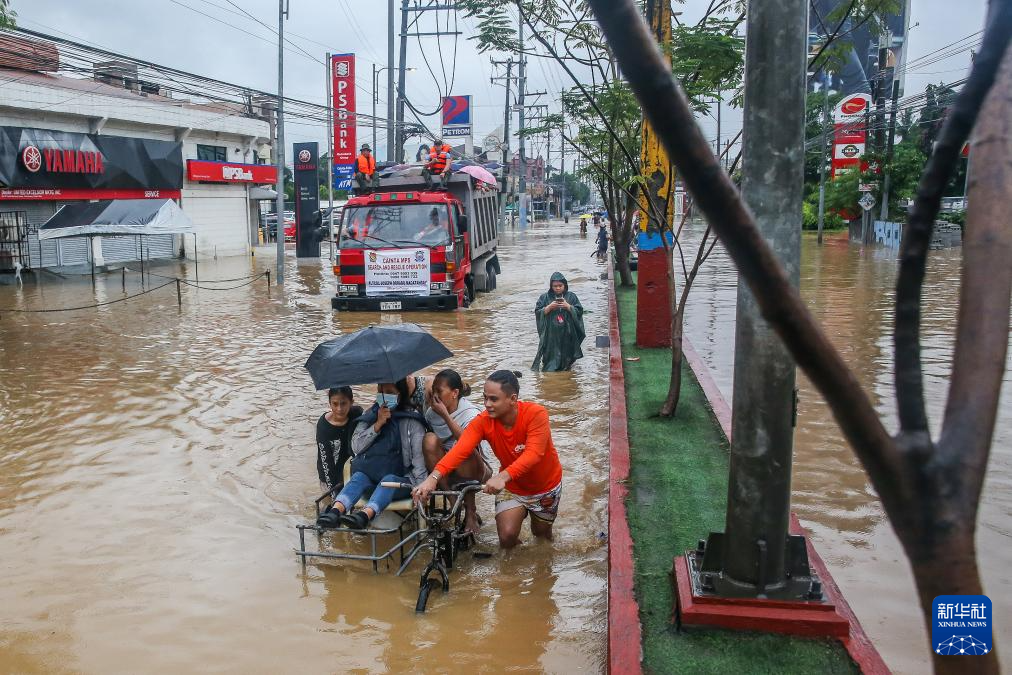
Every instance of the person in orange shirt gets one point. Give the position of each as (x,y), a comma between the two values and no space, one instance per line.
(365,170)
(530,475)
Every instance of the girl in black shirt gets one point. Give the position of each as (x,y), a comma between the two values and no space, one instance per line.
(333,438)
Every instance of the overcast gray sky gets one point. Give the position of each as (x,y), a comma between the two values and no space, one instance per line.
(213,38)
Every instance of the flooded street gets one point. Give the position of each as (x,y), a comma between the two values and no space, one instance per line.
(851,292)
(155,462)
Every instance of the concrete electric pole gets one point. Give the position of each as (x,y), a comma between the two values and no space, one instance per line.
(755,556)
(279,228)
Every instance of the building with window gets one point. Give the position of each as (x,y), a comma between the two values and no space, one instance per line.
(112,136)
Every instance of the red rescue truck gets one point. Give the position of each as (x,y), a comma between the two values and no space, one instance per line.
(406,247)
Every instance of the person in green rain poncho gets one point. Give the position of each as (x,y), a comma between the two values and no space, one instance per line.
(560,325)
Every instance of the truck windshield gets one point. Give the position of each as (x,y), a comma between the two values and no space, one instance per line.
(395,225)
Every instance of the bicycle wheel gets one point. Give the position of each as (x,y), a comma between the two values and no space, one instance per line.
(423,595)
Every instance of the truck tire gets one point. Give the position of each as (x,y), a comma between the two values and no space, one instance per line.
(490,280)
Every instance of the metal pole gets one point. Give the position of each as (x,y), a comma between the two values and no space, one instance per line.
(390,82)
(522,89)
(196,263)
(562,150)
(887,181)
(375,85)
(179,295)
(279,229)
(754,552)
(507,156)
(822,159)
(401,67)
(718,123)
(330,149)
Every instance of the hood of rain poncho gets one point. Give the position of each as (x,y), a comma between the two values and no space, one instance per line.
(560,341)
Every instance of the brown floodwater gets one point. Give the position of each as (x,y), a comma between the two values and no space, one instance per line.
(154,462)
(851,291)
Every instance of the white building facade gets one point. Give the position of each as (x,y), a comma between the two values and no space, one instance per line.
(65,140)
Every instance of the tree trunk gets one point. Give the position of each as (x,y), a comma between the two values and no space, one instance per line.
(951,569)
(675,384)
(622,258)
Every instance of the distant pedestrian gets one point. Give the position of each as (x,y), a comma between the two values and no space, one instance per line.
(559,316)
(602,242)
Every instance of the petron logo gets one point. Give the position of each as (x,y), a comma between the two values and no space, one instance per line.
(305,156)
(31,158)
(961,625)
(853,107)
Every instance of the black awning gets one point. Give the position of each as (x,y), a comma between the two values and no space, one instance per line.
(117,216)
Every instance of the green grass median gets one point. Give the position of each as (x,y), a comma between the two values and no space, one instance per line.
(678,494)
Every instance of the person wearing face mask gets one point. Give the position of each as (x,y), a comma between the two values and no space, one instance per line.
(386,447)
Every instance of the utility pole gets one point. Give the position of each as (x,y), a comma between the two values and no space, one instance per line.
(401,67)
(279,229)
(507,155)
(719,99)
(887,169)
(562,172)
(391,133)
(755,556)
(522,197)
(822,158)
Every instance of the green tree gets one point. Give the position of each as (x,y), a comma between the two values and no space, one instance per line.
(7,14)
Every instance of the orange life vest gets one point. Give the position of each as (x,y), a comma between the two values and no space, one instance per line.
(367,165)
(438,158)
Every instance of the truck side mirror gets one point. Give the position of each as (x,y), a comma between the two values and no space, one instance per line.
(461,225)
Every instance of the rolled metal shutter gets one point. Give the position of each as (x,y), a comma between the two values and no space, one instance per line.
(128,248)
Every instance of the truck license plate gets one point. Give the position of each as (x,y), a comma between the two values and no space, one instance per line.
(386,306)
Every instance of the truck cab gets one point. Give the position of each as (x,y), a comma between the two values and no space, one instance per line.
(405,247)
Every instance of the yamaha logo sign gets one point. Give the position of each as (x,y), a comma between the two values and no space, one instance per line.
(305,156)
(31,158)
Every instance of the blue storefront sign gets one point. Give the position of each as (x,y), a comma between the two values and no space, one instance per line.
(343,176)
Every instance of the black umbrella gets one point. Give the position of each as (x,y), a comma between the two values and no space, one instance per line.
(373,355)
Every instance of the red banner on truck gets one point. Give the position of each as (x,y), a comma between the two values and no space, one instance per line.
(342,71)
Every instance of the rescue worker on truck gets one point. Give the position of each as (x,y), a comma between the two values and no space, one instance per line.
(438,164)
(365,170)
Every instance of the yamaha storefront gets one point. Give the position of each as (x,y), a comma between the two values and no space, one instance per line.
(41,170)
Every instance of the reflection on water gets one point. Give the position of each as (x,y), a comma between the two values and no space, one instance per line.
(155,462)
(850,290)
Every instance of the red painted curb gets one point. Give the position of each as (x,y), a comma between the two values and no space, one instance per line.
(625,651)
(858,645)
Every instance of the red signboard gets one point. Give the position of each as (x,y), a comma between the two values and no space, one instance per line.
(227,172)
(68,194)
(342,70)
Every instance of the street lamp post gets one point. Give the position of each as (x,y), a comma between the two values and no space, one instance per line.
(375,99)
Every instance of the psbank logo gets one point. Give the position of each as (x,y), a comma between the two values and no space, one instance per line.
(961,625)
(342,69)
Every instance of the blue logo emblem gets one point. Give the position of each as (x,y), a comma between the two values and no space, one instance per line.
(961,625)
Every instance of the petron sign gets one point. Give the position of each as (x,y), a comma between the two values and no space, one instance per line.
(456,116)
(229,172)
(40,164)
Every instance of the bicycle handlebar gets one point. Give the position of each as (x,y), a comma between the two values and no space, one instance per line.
(464,490)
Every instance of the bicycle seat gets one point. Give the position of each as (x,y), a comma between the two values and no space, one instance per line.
(457,487)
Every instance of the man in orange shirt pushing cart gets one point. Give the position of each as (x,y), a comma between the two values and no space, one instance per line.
(530,475)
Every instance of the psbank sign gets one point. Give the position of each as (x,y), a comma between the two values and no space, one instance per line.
(226,172)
